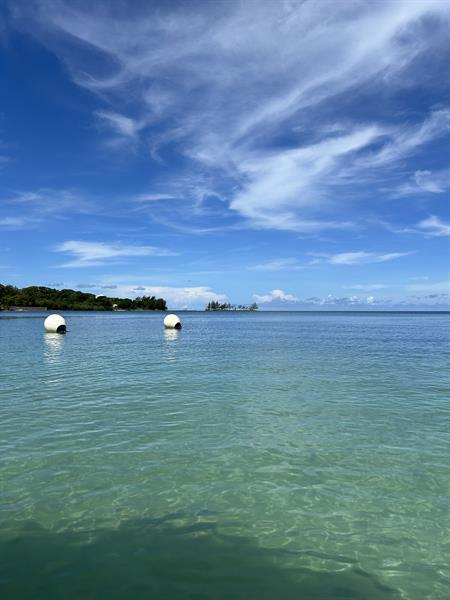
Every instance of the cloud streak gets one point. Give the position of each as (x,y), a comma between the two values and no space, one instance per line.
(425,182)
(89,254)
(430,288)
(360,257)
(278,264)
(364,258)
(154,197)
(28,209)
(434,227)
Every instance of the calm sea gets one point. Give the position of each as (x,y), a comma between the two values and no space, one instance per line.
(250,455)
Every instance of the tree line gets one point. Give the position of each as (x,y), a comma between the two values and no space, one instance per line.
(214,305)
(52,299)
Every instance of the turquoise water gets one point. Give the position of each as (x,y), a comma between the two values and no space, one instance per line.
(266,455)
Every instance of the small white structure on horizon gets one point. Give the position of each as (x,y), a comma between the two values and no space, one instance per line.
(172,322)
(55,324)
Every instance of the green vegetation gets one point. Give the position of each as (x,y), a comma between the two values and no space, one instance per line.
(227,306)
(38,296)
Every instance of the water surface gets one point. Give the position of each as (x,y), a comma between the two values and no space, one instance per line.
(250,455)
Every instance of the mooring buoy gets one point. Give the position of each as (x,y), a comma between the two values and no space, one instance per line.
(172,322)
(55,324)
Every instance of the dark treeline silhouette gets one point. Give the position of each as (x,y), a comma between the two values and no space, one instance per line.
(52,299)
(213,305)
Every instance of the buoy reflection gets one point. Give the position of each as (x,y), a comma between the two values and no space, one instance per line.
(171,334)
(170,347)
(53,346)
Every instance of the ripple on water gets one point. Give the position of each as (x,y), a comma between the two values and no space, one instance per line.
(264,455)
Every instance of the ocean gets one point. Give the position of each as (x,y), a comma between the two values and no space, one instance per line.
(270,455)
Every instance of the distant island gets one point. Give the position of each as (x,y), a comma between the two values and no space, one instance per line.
(45,298)
(227,306)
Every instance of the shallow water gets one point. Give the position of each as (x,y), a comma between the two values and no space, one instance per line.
(250,455)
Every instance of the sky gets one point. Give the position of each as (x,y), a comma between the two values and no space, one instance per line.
(292,153)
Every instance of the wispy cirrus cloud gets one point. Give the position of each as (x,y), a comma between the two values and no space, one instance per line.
(89,254)
(437,299)
(14,222)
(4,158)
(280,182)
(437,287)
(278,264)
(424,182)
(119,123)
(123,129)
(360,257)
(369,287)
(155,197)
(27,209)
(363,258)
(401,141)
(282,146)
(283,183)
(434,227)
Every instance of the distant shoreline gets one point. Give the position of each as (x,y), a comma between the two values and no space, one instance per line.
(203,311)
(26,309)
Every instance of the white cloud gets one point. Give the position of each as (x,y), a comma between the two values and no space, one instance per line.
(431,288)
(434,227)
(283,189)
(362,258)
(368,286)
(404,140)
(89,254)
(27,209)
(278,264)
(279,184)
(185,297)
(3,157)
(192,77)
(275,296)
(13,222)
(439,300)
(120,123)
(124,129)
(425,181)
(353,301)
(154,197)
(279,297)
(49,201)
(176,297)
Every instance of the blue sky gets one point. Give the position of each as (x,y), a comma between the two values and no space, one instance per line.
(292,153)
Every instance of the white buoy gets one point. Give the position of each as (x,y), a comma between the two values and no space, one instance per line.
(172,322)
(55,324)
